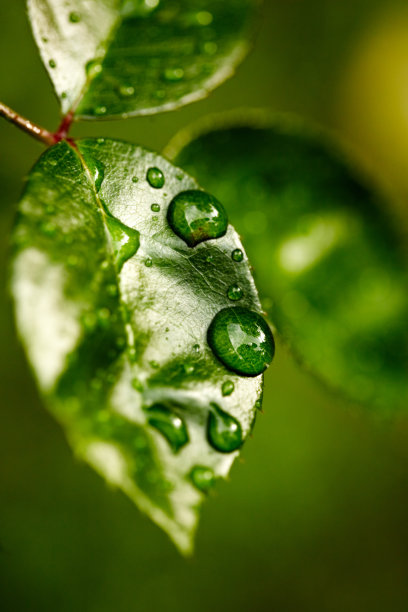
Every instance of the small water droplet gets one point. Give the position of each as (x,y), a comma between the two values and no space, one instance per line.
(169,424)
(112,290)
(204,18)
(241,340)
(155,207)
(179,177)
(196,347)
(64,95)
(235,293)
(210,47)
(223,430)
(89,321)
(237,255)
(125,240)
(155,178)
(100,110)
(97,171)
(100,140)
(93,68)
(126,91)
(52,63)
(188,368)
(173,75)
(202,478)
(72,261)
(48,229)
(196,216)
(135,179)
(74,17)
(44,39)
(227,387)
(258,404)
(209,258)
(137,385)
(160,94)
(148,262)
(154,365)
(104,315)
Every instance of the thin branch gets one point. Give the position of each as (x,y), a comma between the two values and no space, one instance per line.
(27,126)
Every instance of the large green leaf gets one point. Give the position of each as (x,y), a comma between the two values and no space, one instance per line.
(322,244)
(132,57)
(113,309)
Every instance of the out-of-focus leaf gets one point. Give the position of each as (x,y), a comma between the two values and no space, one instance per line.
(113,309)
(131,57)
(324,250)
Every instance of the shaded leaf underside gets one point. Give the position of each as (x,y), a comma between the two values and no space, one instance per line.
(326,256)
(110,338)
(130,57)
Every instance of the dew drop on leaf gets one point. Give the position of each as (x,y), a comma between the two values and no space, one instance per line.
(202,478)
(241,339)
(173,75)
(237,255)
(93,68)
(235,293)
(155,178)
(74,17)
(227,387)
(223,430)
(126,91)
(135,179)
(100,110)
(204,18)
(155,207)
(52,63)
(196,216)
(125,240)
(169,424)
(148,262)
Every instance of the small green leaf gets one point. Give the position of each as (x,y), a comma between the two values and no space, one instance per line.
(133,57)
(326,255)
(113,309)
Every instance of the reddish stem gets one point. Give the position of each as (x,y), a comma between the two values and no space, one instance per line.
(37,132)
(64,127)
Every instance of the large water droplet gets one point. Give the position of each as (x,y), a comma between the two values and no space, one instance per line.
(196,216)
(155,207)
(237,255)
(202,478)
(169,424)
(97,171)
(125,240)
(155,178)
(242,340)
(235,293)
(223,430)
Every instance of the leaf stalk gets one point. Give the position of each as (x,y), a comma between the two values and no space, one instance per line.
(37,132)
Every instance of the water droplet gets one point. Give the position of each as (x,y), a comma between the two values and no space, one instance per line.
(235,293)
(173,75)
(104,315)
(126,91)
(44,39)
(202,478)
(188,368)
(258,404)
(64,95)
(154,365)
(196,216)
(112,290)
(93,68)
(135,179)
(169,424)
(137,8)
(74,17)
(160,94)
(223,430)
(196,347)
(148,262)
(125,240)
(227,387)
(72,261)
(155,178)
(179,177)
(97,171)
(48,229)
(237,255)
(155,207)
(204,18)
(210,47)
(52,63)
(100,140)
(242,340)
(100,110)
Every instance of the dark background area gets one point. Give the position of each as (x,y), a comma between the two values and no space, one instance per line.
(314,517)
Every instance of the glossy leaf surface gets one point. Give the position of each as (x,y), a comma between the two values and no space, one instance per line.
(113,309)
(325,253)
(130,57)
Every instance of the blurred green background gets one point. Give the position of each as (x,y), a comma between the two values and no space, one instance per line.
(314,517)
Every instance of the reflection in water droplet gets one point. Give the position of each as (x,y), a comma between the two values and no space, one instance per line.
(173,75)
(202,478)
(74,17)
(241,340)
(223,430)
(52,63)
(155,207)
(125,240)
(235,293)
(97,171)
(155,178)
(227,387)
(196,216)
(237,255)
(126,91)
(169,424)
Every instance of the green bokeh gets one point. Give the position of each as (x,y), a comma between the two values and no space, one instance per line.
(314,520)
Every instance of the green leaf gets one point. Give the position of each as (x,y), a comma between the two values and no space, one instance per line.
(113,309)
(324,250)
(134,57)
